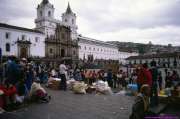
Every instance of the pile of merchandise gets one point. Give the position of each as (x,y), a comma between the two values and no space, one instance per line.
(102,88)
(53,83)
(79,88)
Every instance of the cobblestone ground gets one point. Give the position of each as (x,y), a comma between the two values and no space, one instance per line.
(66,105)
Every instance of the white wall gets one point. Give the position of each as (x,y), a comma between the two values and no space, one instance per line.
(99,51)
(36,48)
(105,51)
(124,55)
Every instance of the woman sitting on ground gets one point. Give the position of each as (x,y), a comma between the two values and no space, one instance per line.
(140,108)
(10,93)
(38,93)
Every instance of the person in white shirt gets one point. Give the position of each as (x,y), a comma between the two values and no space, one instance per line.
(119,79)
(63,72)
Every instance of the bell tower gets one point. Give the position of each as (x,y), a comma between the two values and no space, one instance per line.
(69,19)
(45,21)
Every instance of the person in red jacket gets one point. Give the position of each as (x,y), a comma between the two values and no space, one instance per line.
(9,94)
(144,76)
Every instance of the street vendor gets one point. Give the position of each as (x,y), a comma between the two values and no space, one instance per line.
(38,93)
(140,108)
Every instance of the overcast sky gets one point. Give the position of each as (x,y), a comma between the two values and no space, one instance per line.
(142,21)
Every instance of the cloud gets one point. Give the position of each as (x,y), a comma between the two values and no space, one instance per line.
(158,35)
(123,20)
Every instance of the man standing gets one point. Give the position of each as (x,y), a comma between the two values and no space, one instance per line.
(154,89)
(12,71)
(63,72)
(144,76)
(109,78)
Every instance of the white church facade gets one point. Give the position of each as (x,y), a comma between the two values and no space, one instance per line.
(23,42)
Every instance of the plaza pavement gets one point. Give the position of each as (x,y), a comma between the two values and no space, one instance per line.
(66,105)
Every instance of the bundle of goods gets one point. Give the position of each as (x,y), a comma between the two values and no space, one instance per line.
(79,88)
(176,91)
(53,83)
(175,95)
(164,95)
(90,89)
(70,84)
(102,88)
(132,89)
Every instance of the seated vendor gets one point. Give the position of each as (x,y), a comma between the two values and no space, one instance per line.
(38,93)
(10,93)
(140,108)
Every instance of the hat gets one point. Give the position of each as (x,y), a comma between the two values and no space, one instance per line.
(23,59)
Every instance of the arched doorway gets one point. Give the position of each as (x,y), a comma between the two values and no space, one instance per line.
(62,53)
(23,52)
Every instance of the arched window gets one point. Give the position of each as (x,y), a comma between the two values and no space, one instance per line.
(65,20)
(41,13)
(49,13)
(74,52)
(72,21)
(51,50)
(7,47)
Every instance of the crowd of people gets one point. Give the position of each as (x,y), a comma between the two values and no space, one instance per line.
(22,78)
(150,82)
(20,81)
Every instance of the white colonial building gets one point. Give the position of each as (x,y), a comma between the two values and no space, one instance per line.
(162,59)
(123,55)
(23,42)
(101,50)
(97,49)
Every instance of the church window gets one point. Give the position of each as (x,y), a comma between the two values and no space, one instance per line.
(74,52)
(7,35)
(72,21)
(85,47)
(65,20)
(94,49)
(63,36)
(89,48)
(51,50)
(23,37)
(37,39)
(49,13)
(41,13)
(7,47)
